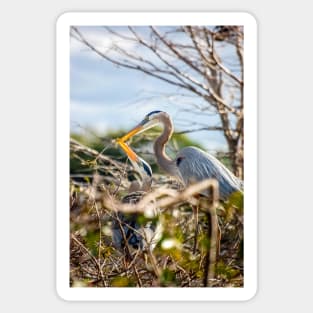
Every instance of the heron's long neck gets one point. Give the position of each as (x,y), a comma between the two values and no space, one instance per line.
(163,160)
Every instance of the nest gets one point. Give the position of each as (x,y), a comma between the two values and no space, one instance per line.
(175,261)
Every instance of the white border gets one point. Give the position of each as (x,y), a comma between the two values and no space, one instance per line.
(62,156)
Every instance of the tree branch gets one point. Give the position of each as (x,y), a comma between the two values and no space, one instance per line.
(212,128)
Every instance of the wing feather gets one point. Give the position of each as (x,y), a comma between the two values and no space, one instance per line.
(196,165)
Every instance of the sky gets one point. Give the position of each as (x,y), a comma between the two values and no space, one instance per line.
(105,97)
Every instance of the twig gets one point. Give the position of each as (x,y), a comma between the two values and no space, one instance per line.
(153,261)
(98,265)
(196,217)
(172,197)
(210,258)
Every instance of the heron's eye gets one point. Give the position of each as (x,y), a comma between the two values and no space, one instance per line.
(179,159)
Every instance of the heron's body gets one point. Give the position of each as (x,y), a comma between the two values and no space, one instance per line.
(196,165)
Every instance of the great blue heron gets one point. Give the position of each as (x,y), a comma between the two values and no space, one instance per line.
(191,164)
(127,232)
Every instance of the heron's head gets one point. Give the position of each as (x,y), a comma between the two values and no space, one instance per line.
(150,120)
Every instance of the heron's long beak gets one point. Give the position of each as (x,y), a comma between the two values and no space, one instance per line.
(130,153)
(132,132)
(141,127)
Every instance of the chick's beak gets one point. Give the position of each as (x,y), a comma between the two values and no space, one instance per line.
(130,153)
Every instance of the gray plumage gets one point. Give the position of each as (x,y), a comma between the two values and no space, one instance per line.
(196,165)
(137,236)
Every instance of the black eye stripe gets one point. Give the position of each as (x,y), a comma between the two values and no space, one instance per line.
(153,112)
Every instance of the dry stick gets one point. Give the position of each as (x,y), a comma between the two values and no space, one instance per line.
(95,181)
(120,180)
(210,258)
(196,216)
(99,225)
(152,258)
(132,264)
(128,250)
(98,265)
(124,224)
(137,275)
(172,197)
(153,261)
(123,234)
(101,152)
(77,146)
(85,249)
(133,259)
(185,273)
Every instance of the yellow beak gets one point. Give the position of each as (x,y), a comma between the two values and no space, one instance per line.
(130,153)
(131,133)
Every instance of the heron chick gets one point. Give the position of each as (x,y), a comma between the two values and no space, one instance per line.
(127,231)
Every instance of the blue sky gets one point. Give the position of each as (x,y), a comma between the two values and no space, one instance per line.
(105,97)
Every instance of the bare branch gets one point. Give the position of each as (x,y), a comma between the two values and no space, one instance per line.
(216,59)
(123,64)
(199,129)
(157,199)
(179,73)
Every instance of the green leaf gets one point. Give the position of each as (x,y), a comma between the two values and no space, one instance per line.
(122,282)
(168,278)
